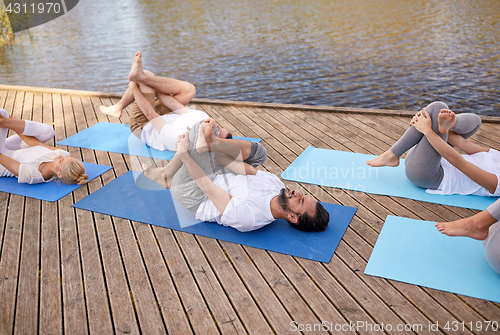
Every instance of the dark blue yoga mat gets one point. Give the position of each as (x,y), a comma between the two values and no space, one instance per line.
(116,137)
(51,191)
(415,252)
(348,170)
(145,201)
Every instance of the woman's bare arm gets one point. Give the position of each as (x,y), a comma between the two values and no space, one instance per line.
(10,164)
(467,146)
(32,141)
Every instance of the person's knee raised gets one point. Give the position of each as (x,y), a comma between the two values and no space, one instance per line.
(190,89)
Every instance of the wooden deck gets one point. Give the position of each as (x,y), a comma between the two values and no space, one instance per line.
(70,271)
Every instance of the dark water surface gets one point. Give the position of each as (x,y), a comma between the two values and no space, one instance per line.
(397,54)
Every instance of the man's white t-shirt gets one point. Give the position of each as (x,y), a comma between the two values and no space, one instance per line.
(176,125)
(250,206)
(456,182)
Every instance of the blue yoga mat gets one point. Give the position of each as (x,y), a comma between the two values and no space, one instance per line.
(116,137)
(51,191)
(348,170)
(142,200)
(415,252)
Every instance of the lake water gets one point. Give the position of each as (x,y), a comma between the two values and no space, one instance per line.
(396,54)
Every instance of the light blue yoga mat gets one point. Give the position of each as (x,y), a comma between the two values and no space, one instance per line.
(142,200)
(116,137)
(51,191)
(348,170)
(415,252)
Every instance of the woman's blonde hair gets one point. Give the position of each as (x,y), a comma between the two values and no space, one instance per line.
(74,173)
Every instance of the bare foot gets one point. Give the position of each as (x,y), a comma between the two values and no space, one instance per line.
(155,174)
(447,120)
(111,111)
(386,159)
(206,136)
(464,227)
(136,73)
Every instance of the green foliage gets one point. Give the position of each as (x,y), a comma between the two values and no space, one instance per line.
(5,29)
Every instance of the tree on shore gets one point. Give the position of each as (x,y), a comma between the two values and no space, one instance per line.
(5,28)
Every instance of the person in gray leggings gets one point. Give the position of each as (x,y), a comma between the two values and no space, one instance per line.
(423,163)
(481,226)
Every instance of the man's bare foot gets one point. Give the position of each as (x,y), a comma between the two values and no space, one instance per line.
(464,227)
(136,73)
(447,120)
(155,174)
(386,159)
(111,111)
(206,136)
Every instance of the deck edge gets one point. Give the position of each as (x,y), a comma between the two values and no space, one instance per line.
(351,110)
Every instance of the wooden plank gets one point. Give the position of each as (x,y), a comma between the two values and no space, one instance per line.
(11,247)
(20,99)
(4,203)
(195,307)
(240,298)
(75,315)
(170,305)
(9,262)
(122,309)
(3,98)
(363,294)
(50,317)
(26,321)
(215,297)
(282,288)
(50,314)
(9,101)
(309,291)
(97,305)
(145,304)
(6,101)
(336,294)
(268,303)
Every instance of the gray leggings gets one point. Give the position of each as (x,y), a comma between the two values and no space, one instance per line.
(184,189)
(423,162)
(492,243)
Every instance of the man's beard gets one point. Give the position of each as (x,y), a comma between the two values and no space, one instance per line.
(283,200)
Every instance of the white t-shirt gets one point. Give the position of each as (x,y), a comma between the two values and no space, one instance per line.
(250,206)
(30,159)
(176,125)
(455,182)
